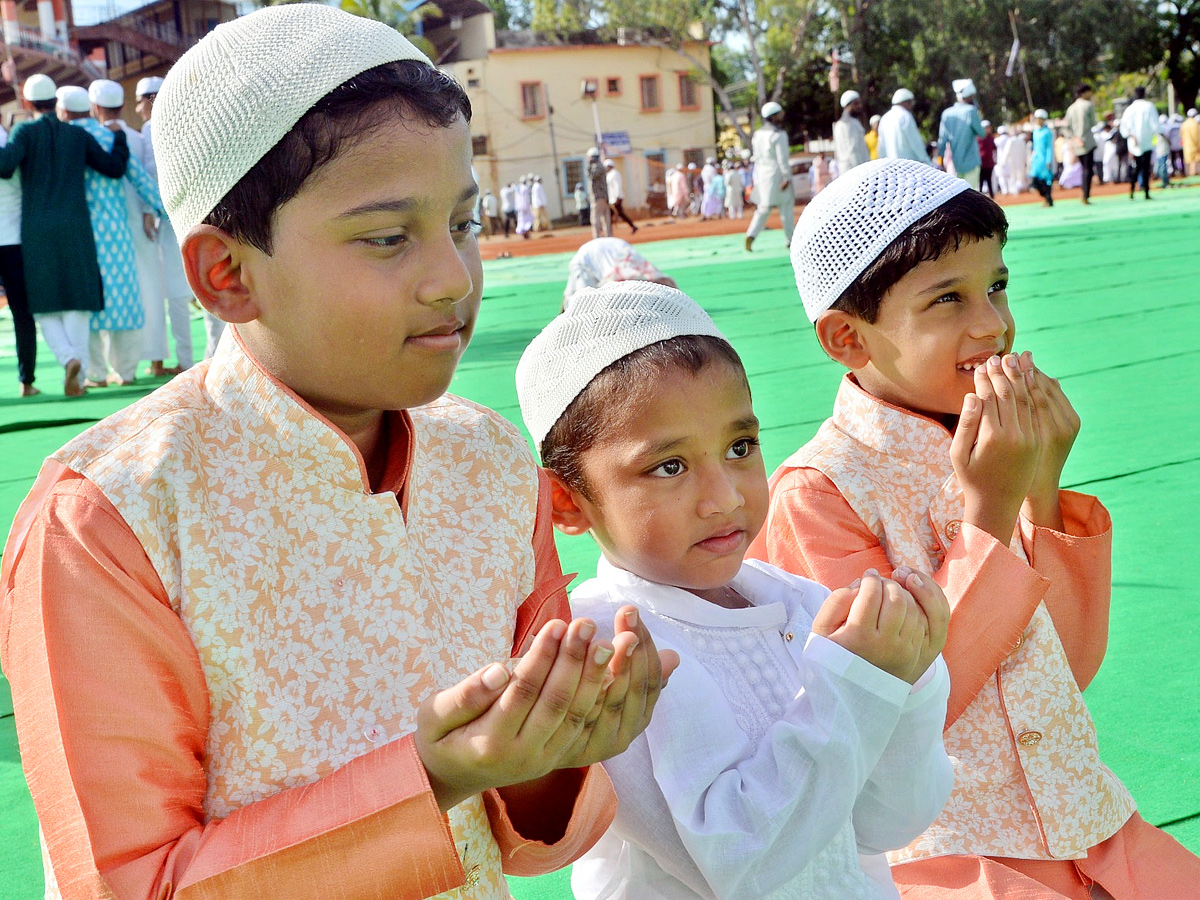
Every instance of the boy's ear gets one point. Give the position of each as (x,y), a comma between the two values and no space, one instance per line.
(841,337)
(565,509)
(213,260)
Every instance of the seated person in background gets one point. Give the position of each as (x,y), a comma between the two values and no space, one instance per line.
(604,260)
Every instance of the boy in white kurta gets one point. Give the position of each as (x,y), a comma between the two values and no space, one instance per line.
(793,738)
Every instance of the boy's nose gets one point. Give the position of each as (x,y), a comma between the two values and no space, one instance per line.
(446,278)
(720,495)
(988,322)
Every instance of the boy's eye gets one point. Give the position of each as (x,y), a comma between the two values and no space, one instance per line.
(668,469)
(386,241)
(471,226)
(742,448)
(945,298)
(998,287)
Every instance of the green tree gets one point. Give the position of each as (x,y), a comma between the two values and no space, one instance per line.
(1179,24)
(404,17)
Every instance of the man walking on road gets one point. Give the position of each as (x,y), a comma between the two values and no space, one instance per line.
(899,137)
(772,175)
(849,136)
(960,127)
(1139,125)
(1078,125)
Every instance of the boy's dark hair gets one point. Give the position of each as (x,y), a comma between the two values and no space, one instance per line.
(1082,89)
(584,422)
(967,216)
(407,89)
(44,105)
(1139,93)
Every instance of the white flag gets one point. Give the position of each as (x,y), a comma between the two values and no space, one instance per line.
(1012,57)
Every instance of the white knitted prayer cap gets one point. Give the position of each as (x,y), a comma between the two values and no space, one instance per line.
(106,94)
(1040,114)
(848,224)
(771,108)
(74,99)
(964,88)
(601,326)
(147,87)
(902,96)
(234,95)
(38,87)
(848,97)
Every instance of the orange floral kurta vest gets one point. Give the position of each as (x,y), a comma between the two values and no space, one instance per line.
(1029,782)
(321,615)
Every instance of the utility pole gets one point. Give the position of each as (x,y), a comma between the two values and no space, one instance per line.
(554,151)
(1012,20)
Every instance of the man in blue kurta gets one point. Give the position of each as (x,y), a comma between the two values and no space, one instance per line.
(960,126)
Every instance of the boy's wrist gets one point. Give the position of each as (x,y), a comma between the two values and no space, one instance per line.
(997,519)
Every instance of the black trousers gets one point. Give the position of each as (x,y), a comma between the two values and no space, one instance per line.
(12,271)
(1140,172)
(618,208)
(1089,169)
(985,179)
(1043,187)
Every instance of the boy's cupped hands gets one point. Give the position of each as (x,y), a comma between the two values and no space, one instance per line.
(897,624)
(570,701)
(1011,444)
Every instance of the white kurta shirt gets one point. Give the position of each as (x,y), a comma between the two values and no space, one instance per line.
(849,142)
(774,758)
(771,166)
(899,137)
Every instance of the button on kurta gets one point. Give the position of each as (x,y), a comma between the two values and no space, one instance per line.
(788,636)
(1018,645)
(952,528)
(1029,738)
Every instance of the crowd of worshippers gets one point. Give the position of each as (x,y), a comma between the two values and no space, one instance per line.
(86,251)
(1035,153)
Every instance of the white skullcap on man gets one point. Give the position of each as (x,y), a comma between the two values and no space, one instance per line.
(902,96)
(73,99)
(1192,113)
(106,94)
(1040,114)
(238,92)
(38,88)
(600,326)
(848,224)
(848,97)
(771,109)
(148,87)
(964,88)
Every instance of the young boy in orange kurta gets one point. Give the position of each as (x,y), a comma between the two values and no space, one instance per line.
(944,451)
(258,625)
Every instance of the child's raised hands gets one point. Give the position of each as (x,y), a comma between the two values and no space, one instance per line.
(1058,426)
(997,446)
(897,627)
(561,707)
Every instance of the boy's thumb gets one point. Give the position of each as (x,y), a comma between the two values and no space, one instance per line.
(466,701)
(967,431)
(834,611)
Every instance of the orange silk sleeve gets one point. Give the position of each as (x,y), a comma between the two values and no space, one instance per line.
(1078,564)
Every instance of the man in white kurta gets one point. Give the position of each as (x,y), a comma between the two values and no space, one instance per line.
(849,136)
(899,137)
(772,175)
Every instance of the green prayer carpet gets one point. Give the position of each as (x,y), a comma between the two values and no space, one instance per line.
(1106,297)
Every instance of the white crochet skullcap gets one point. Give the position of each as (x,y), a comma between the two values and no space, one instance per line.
(964,88)
(106,94)
(848,224)
(238,92)
(985,123)
(74,99)
(848,97)
(770,108)
(148,87)
(1040,114)
(601,326)
(902,96)
(38,88)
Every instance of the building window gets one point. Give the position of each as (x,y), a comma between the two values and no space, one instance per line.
(532,106)
(693,156)
(651,97)
(612,87)
(573,174)
(479,144)
(472,82)
(689,97)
